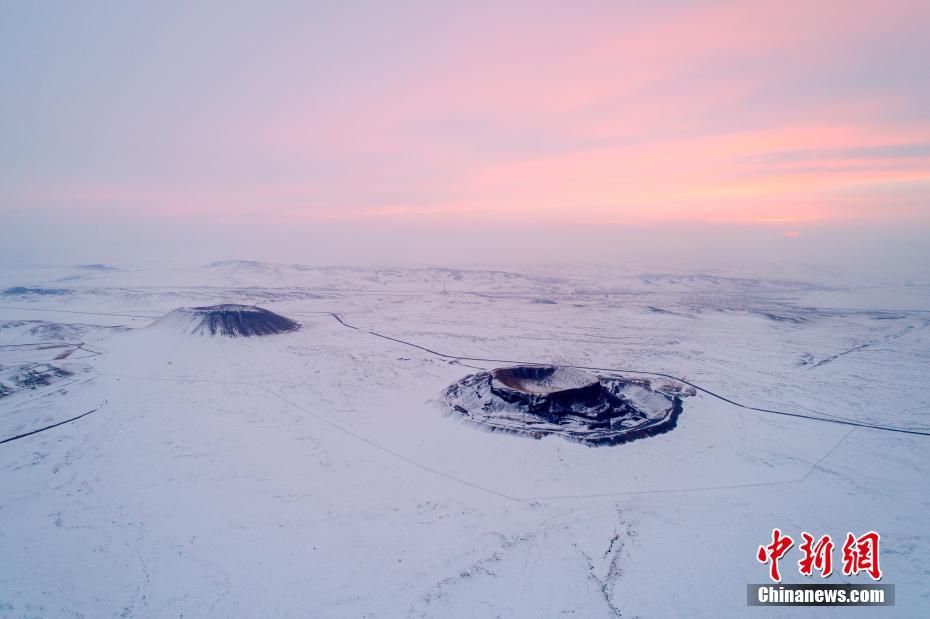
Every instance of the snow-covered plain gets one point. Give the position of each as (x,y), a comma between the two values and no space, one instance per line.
(317,473)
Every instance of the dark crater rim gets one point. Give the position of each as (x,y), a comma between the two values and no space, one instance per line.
(595,410)
(543,380)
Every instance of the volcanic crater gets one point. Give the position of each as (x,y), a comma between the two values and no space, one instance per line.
(538,400)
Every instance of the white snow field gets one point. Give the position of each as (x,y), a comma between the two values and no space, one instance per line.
(317,472)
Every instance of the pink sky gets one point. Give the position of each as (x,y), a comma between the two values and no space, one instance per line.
(782,115)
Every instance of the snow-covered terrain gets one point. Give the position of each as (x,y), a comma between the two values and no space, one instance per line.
(318,472)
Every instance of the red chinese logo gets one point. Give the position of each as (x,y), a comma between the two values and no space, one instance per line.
(773,552)
(817,555)
(860,554)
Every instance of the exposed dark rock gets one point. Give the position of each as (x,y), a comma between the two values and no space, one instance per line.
(783,318)
(881,316)
(41,376)
(550,391)
(30,376)
(227,320)
(539,400)
(96,267)
(20,291)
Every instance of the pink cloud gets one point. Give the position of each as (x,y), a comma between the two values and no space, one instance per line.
(603,116)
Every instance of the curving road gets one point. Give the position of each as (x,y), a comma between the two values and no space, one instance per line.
(836,420)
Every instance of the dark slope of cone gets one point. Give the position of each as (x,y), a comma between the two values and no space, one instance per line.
(227,320)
